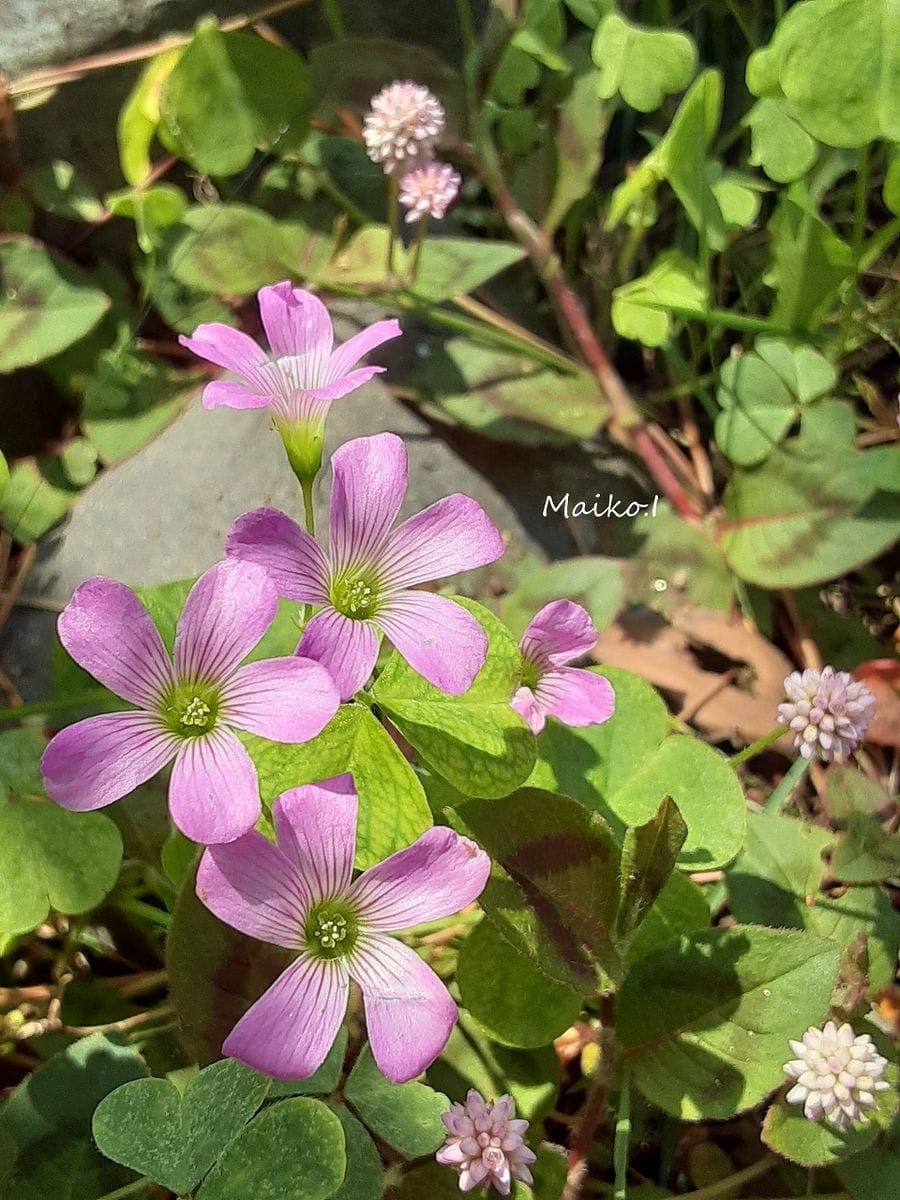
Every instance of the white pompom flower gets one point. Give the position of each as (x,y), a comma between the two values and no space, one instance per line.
(401,126)
(486,1145)
(837,1074)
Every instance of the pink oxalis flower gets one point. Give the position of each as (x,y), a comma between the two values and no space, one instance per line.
(298,894)
(364,580)
(429,190)
(187,704)
(486,1144)
(301,375)
(561,633)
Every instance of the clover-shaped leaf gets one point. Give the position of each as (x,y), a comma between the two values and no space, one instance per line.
(49,858)
(778,143)
(643,309)
(643,65)
(172,1137)
(836,63)
(760,393)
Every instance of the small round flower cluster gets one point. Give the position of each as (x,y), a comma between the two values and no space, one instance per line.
(485,1144)
(399,130)
(837,1074)
(827,711)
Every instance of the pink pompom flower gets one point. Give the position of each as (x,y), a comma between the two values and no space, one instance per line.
(827,711)
(187,704)
(298,894)
(561,633)
(300,376)
(486,1144)
(428,191)
(365,579)
(401,126)
(836,1075)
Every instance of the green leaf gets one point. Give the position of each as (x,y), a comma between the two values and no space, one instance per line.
(706,791)
(643,65)
(294,1150)
(49,858)
(47,303)
(880,468)
(704,1022)
(759,393)
(778,144)
(779,872)
(594,582)
(867,853)
(37,495)
(776,880)
(506,396)
(45,1126)
(231,249)
(816,1143)
(681,907)
(229,93)
(476,741)
(215,974)
(875,1173)
(4,474)
(849,791)
(807,513)
(512,1001)
(837,62)
(58,189)
(175,1137)
(364,1179)
(451,266)
(581,128)
(810,262)
(640,309)
(78,459)
(405,1115)
(553,894)
(139,116)
(393,810)
(687,560)
(891,189)
(129,399)
(593,763)
(649,854)
(152,209)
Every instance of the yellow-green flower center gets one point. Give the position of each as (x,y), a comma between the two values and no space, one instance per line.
(356,596)
(191,709)
(331,930)
(531,674)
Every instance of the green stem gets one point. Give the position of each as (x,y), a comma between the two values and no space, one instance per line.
(130,1189)
(763,743)
(393,221)
(334,19)
(417,249)
(622,1138)
(76,700)
(309,514)
(466,27)
(792,777)
(860,210)
(727,1187)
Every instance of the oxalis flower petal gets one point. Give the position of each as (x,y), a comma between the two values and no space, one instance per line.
(300,376)
(299,893)
(368,571)
(562,632)
(187,706)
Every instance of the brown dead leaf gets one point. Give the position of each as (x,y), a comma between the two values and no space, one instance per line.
(737,702)
(882,677)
